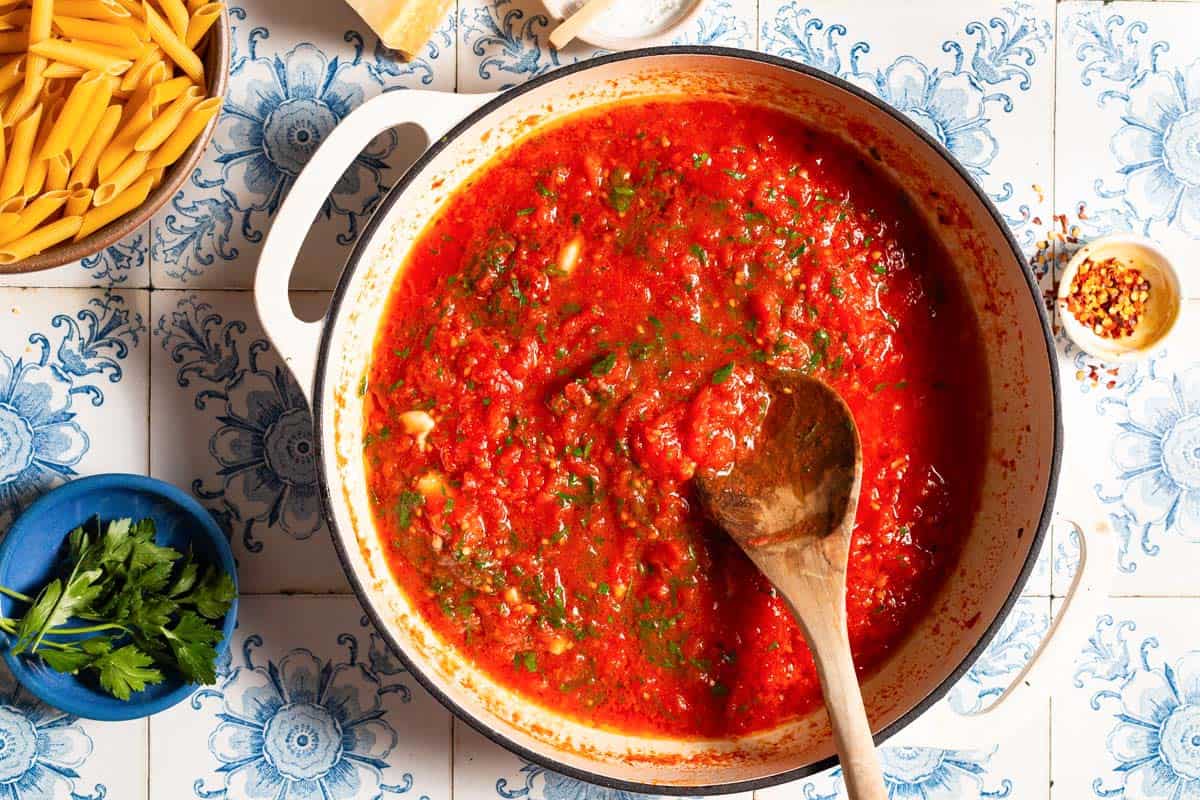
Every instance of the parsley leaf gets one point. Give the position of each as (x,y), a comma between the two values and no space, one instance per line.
(126,670)
(192,641)
(603,365)
(141,608)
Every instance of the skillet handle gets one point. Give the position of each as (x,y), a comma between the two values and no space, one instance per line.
(1068,633)
(297,341)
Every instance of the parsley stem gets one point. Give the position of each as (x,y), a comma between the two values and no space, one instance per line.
(58,645)
(24,598)
(65,631)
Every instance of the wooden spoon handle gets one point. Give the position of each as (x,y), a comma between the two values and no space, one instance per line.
(830,644)
(817,599)
(570,27)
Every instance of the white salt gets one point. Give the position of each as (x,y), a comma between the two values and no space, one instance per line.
(633,18)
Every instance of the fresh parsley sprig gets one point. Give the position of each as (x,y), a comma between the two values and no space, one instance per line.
(149,608)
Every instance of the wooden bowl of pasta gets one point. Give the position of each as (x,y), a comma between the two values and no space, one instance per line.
(105,108)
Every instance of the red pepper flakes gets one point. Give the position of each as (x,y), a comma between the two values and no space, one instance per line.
(1108,297)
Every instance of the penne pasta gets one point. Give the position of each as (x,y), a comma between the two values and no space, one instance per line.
(130,79)
(39,240)
(17,18)
(78,202)
(91,9)
(168,120)
(122,204)
(167,91)
(123,53)
(202,19)
(84,171)
(12,73)
(13,41)
(30,92)
(162,34)
(187,132)
(57,69)
(72,114)
(53,89)
(35,173)
(58,170)
(134,7)
(121,178)
(98,99)
(177,15)
(158,73)
(97,105)
(24,133)
(73,53)
(33,215)
(41,16)
(91,30)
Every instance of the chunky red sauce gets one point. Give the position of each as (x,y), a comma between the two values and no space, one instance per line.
(587,324)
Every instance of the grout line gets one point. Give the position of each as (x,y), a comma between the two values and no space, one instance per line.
(149,760)
(757,42)
(451,720)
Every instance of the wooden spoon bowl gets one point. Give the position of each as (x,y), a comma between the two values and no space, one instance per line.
(790,506)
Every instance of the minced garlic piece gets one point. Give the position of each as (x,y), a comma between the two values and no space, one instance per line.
(568,256)
(430,484)
(418,424)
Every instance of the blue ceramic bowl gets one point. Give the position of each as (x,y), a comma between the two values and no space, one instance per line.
(31,552)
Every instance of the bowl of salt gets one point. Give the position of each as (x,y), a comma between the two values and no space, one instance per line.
(630,24)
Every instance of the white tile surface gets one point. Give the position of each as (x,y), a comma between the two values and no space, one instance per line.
(1035,98)
(293,76)
(229,423)
(1123,722)
(78,402)
(1128,121)
(125,265)
(309,697)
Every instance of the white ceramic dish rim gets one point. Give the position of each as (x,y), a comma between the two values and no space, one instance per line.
(1116,352)
(622,43)
(320,370)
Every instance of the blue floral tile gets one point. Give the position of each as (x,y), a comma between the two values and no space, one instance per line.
(46,754)
(1137,430)
(1126,723)
(293,77)
(930,774)
(979,78)
(309,706)
(503,43)
(1128,121)
(124,265)
(74,383)
(229,422)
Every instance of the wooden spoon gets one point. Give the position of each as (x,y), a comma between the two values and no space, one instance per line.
(570,27)
(790,506)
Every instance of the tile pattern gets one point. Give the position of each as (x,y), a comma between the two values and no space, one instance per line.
(1079,119)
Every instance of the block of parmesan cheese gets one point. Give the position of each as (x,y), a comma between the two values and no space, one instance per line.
(403,25)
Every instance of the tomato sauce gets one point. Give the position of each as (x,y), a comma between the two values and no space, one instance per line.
(588,323)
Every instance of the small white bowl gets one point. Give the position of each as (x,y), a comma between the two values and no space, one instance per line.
(1163,308)
(610,32)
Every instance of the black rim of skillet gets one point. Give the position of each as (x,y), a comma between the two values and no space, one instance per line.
(481,725)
